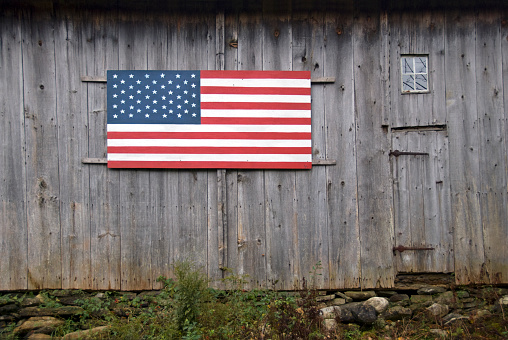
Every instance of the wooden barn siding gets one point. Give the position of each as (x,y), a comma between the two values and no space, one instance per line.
(65,224)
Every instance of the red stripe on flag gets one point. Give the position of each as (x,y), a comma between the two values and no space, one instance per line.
(256,74)
(255,121)
(207,165)
(255,106)
(255,90)
(208,150)
(210,135)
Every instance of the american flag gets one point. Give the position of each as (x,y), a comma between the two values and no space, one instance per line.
(209,119)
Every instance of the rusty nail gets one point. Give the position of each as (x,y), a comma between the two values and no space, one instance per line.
(276,33)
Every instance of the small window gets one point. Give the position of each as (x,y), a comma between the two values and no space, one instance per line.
(414,73)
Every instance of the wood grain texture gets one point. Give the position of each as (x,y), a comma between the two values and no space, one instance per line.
(312,228)
(73,140)
(101,54)
(251,242)
(372,144)
(341,180)
(492,128)
(422,202)
(162,36)
(13,226)
(461,107)
(41,132)
(135,206)
(417,33)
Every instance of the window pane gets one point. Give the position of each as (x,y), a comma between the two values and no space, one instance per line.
(421,82)
(420,65)
(407,65)
(408,83)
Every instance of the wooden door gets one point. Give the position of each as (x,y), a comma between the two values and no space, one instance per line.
(421,194)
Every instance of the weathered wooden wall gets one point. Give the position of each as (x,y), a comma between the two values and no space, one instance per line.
(66,224)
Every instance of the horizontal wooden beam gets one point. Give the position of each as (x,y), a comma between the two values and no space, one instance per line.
(94,161)
(105,161)
(94,79)
(99,79)
(323,80)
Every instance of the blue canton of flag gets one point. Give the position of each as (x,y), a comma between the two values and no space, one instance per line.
(154,97)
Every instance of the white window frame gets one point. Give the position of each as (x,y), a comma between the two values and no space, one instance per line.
(413,72)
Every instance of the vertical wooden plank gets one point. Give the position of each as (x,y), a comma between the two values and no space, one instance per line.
(72,145)
(217,214)
(401,201)
(251,234)
(162,32)
(504,51)
(195,38)
(461,107)
(418,33)
(101,53)
(491,116)
(136,220)
(41,131)
(311,207)
(372,143)
(440,232)
(281,215)
(13,221)
(231,233)
(341,179)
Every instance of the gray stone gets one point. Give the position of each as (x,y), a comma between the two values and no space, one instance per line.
(329,312)
(45,324)
(344,296)
(325,298)
(431,290)
(462,294)
(453,318)
(445,298)
(93,333)
(397,313)
(344,313)
(40,336)
(364,314)
(361,295)
(380,304)
(386,293)
(338,301)
(399,297)
(501,304)
(30,302)
(437,309)
(59,311)
(421,298)
(330,324)
(9,309)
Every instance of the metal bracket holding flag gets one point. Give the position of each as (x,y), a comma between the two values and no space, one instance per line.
(209,119)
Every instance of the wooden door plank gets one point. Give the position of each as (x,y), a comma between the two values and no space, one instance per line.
(13,225)
(462,111)
(101,52)
(341,179)
(372,143)
(41,132)
(73,143)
